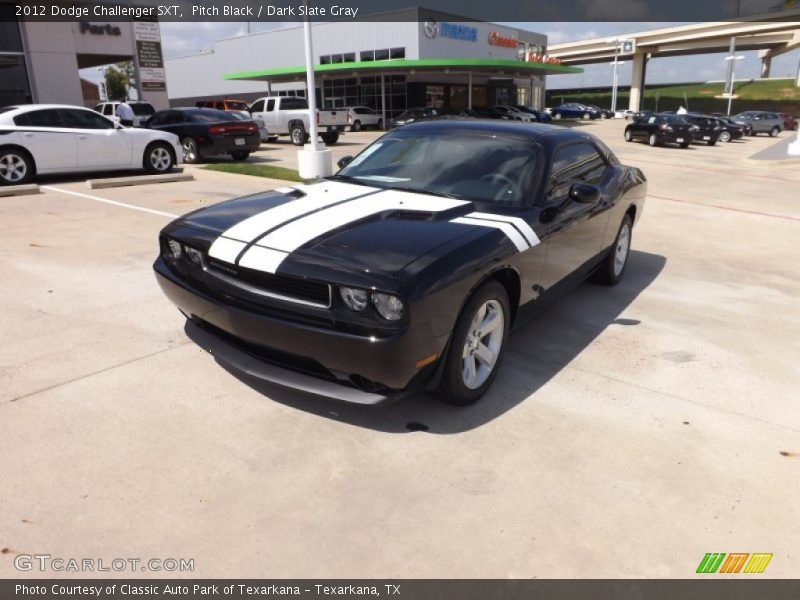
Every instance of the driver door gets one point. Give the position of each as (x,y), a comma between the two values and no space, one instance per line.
(572,230)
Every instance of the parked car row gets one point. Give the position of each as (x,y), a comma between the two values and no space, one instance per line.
(521,113)
(687,128)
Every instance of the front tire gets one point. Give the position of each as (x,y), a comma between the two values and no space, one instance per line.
(16,167)
(191,154)
(653,140)
(158,158)
(614,264)
(628,135)
(586,116)
(725,136)
(356,126)
(477,346)
(557,116)
(774,131)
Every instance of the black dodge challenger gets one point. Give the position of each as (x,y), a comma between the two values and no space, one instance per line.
(407,269)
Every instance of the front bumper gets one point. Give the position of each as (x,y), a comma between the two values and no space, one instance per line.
(322,361)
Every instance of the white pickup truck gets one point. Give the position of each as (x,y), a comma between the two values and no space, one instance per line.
(288,115)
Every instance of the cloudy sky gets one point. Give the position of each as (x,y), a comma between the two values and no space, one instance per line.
(179,39)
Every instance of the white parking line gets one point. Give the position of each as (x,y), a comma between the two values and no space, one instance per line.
(107,201)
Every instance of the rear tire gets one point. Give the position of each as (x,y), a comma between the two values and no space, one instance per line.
(557,116)
(298,134)
(628,135)
(712,142)
(158,158)
(725,136)
(586,116)
(488,308)
(614,264)
(685,145)
(653,140)
(356,126)
(330,137)
(774,131)
(243,155)
(16,166)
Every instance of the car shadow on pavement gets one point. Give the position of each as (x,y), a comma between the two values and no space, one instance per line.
(537,352)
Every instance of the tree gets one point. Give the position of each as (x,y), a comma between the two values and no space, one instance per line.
(118,79)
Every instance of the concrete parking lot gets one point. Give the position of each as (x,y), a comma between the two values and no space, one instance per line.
(631,430)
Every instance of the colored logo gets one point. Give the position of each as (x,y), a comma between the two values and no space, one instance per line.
(450,30)
(735,562)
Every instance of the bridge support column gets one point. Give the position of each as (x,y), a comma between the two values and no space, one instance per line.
(766,65)
(637,81)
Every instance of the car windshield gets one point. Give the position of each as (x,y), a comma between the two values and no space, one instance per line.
(143,110)
(478,165)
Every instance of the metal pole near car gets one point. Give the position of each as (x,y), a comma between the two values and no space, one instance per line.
(314,160)
(614,83)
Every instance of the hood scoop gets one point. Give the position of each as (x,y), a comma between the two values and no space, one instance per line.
(424,215)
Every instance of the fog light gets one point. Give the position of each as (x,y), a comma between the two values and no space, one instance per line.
(354,298)
(176,249)
(388,306)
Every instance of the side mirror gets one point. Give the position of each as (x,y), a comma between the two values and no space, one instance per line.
(343,162)
(584,193)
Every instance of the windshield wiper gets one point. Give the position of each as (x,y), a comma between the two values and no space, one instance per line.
(426,192)
(347,178)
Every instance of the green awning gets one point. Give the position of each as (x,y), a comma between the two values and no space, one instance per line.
(489,66)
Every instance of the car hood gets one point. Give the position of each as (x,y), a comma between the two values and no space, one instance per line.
(331,226)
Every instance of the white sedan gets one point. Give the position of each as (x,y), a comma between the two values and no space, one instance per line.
(51,138)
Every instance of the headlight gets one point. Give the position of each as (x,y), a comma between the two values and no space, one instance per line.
(175,249)
(388,306)
(354,298)
(193,254)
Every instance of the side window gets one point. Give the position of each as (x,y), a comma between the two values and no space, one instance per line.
(575,163)
(258,106)
(156,119)
(270,105)
(84,119)
(39,118)
(108,110)
(174,117)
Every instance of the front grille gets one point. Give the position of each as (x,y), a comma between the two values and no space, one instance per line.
(283,287)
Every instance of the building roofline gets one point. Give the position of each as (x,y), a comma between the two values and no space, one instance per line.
(464,64)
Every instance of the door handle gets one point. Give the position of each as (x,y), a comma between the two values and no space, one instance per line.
(81,137)
(28,135)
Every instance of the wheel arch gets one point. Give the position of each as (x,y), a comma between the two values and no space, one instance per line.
(23,150)
(165,143)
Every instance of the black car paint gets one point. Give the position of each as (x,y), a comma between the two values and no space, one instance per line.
(708,128)
(433,264)
(208,144)
(668,129)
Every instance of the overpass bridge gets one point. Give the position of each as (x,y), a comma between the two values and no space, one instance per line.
(771,35)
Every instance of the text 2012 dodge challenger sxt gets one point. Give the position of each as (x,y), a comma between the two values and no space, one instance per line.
(408,268)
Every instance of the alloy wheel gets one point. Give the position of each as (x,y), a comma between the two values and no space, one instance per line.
(160,158)
(189,150)
(12,168)
(482,344)
(622,249)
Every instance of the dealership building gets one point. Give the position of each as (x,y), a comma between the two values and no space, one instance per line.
(40,61)
(400,60)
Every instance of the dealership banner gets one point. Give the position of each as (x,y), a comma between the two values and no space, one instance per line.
(407,589)
(403,10)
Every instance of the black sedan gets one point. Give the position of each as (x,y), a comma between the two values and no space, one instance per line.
(408,268)
(662,129)
(206,132)
(729,130)
(413,115)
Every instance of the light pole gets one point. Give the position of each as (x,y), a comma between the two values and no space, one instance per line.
(732,70)
(614,80)
(314,160)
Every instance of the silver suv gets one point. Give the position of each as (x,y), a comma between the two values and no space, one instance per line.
(760,122)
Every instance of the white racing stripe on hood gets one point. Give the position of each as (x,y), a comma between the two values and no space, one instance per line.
(318,195)
(511,233)
(262,259)
(226,249)
(297,233)
(520,224)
